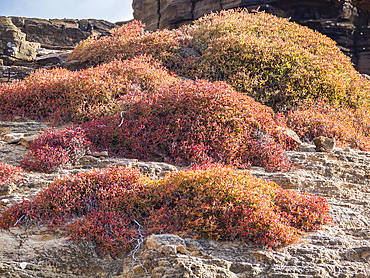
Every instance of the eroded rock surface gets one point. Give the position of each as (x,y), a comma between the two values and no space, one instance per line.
(61,33)
(338,250)
(27,44)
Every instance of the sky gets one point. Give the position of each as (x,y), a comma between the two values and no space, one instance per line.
(111,10)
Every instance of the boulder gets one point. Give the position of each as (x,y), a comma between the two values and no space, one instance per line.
(13,43)
(48,59)
(21,40)
(10,73)
(26,140)
(324,144)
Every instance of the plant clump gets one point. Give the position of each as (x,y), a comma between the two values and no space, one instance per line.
(349,127)
(55,149)
(275,61)
(131,104)
(213,201)
(10,174)
(279,63)
(136,109)
(191,122)
(63,96)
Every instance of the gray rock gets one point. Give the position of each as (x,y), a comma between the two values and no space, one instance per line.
(51,58)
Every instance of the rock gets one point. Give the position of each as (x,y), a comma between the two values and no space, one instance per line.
(324,144)
(155,169)
(13,42)
(10,73)
(166,244)
(290,134)
(25,127)
(6,189)
(100,154)
(13,138)
(305,147)
(73,65)
(21,40)
(61,34)
(51,58)
(40,253)
(345,21)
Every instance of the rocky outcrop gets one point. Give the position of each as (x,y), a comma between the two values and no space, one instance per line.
(345,21)
(61,33)
(27,44)
(338,250)
(13,44)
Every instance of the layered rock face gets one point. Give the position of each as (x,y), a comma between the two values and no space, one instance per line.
(345,21)
(60,33)
(27,44)
(13,42)
(339,250)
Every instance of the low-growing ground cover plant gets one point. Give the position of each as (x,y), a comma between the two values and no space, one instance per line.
(54,149)
(212,201)
(277,62)
(349,127)
(191,122)
(9,174)
(136,109)
(62,96)
(273,60)
(129,41)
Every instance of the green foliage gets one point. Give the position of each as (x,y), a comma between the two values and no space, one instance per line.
(211,201)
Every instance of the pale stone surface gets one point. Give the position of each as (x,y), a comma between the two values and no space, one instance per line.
(13,138)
